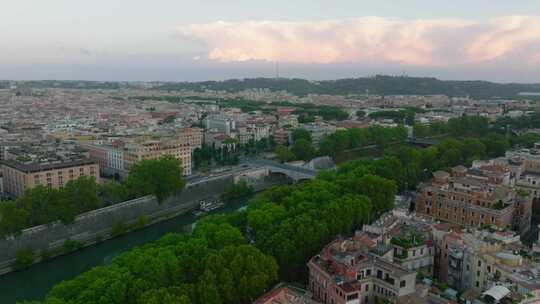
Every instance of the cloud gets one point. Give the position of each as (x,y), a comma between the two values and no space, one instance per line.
(373,40)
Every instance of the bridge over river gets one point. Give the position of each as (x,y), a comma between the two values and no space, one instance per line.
(295,173)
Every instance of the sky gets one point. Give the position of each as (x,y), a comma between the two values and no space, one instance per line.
(178,40)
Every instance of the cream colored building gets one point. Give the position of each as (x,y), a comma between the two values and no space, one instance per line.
(142,149)
(193,137)
(20,177)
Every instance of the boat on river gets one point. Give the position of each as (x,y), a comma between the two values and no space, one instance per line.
(205,206)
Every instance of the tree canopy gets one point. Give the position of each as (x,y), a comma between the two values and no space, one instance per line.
(160,177)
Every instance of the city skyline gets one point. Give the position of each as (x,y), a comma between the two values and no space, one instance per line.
(212,40)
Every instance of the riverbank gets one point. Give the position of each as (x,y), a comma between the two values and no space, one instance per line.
(35,282)
(43,242)
(69,246)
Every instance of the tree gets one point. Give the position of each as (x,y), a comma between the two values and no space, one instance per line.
(496,144)
(24,258)
(82,194)
(420,130)
(38,202)
(164,296)
(302,149)
(114,192)
(12,218)
(473,149)
(284,154)
(380,191)
(160,177)
(298,134)
(528,140)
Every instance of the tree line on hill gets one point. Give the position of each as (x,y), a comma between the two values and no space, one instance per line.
(380,85)
(43,205)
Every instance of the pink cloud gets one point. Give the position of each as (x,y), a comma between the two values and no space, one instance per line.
(376,40)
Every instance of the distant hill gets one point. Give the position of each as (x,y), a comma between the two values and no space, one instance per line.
(380,85)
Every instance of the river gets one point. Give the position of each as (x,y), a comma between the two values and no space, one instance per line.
(34,282)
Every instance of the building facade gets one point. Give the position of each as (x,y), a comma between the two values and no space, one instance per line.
(467,200)
(345,273)
(19,177)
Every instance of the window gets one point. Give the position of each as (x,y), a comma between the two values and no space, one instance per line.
(479,263)
(367,287)
(477,284)
(402,283)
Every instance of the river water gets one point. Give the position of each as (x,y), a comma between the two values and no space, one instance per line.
(35,282)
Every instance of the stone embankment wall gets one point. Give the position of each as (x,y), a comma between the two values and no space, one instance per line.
(96,225)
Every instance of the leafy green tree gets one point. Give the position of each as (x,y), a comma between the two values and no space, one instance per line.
(82,194)
(38,202)
(301,133)
(284,154)
(528,140)
(24,258)
(219,236)
(496,144)
(381,191)
(114,192)
(164,296)
(160,177)
(473,149)
(421,130)
(12,218)
(303,149)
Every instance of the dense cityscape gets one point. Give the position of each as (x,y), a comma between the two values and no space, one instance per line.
(352,198)
(270,152)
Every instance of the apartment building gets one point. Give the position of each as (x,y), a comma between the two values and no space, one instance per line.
(19,177)
(409,239)
(468,200)
(142,149)
(221,124)
(254,132)
(318,131)
(286,294)
(282,136)
(192,137)
(345,272)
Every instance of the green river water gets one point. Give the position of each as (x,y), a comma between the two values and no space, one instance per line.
(35,282)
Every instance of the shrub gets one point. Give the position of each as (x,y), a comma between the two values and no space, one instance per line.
(24,258)
(70,245)
(118,229)
(142,221)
